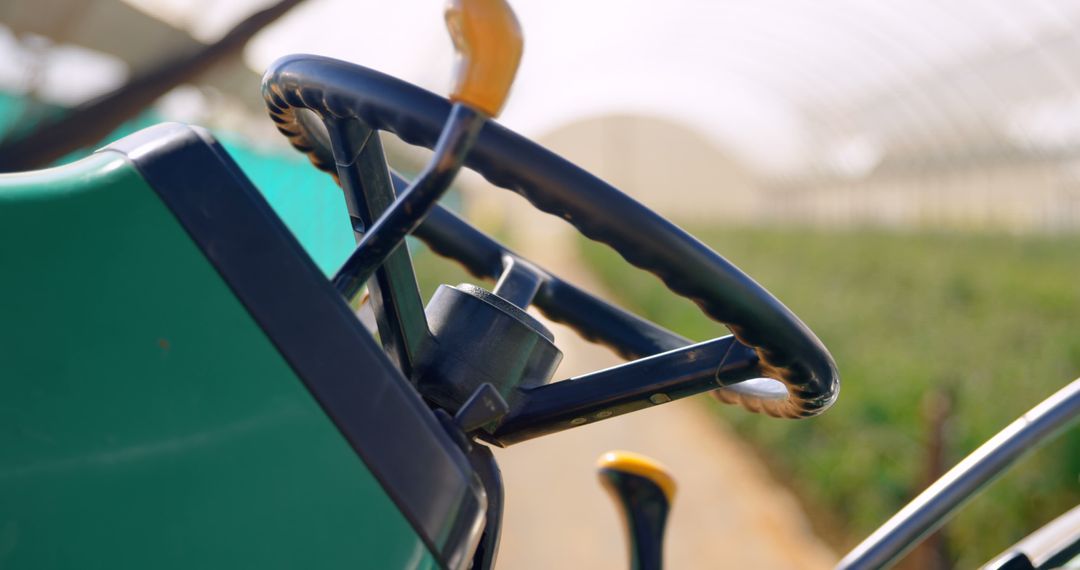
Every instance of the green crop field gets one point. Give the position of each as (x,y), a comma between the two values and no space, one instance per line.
(991,322)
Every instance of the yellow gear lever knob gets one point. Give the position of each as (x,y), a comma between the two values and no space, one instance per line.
(643,491)
(487,38)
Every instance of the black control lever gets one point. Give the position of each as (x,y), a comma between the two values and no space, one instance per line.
(487,38)
(643,491)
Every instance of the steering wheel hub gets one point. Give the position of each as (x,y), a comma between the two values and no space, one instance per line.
(478,337)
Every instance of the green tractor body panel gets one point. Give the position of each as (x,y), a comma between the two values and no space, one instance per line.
(146,418)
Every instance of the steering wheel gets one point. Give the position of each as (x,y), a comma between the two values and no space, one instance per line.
(305,93)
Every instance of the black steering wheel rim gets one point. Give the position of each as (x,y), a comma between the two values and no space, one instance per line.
(787,349)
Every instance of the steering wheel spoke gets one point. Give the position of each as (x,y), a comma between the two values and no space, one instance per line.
(365,177)
(629,387)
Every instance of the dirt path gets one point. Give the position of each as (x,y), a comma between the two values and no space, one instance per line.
(728,512)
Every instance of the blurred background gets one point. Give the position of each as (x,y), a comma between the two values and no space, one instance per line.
(905,177)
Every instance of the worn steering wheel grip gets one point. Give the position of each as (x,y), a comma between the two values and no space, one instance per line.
(787,350)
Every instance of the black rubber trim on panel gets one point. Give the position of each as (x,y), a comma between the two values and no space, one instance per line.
(373,406)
